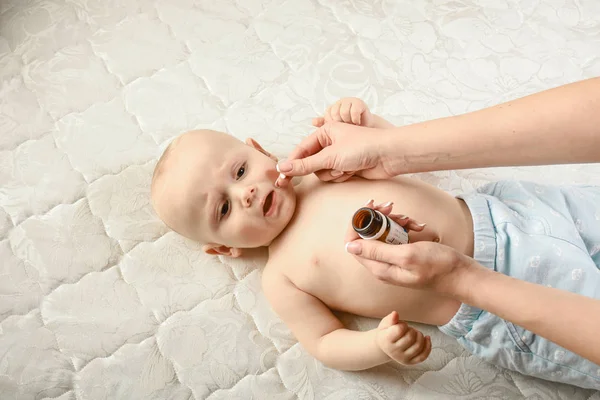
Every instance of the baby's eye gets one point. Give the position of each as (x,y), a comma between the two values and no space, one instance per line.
(241,171)
(225,208)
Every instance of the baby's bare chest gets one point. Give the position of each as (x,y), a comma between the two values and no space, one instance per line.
(322,222)
(312,254)
(314,257)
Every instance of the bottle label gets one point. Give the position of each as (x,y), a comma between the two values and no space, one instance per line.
(397,234)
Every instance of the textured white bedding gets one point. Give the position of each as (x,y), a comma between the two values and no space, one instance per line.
(98,300)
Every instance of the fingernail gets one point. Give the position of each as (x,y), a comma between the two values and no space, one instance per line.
(369,202)
(353,248)
(279,179)
(284,166)
(389,203)
(403,217)
(421,225)
(336,173)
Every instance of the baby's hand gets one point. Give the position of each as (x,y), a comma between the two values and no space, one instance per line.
(401,342)
(349,110)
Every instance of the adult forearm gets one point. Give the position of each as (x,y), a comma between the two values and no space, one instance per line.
(565,318)
(348,350)
(381,123)
(557,126)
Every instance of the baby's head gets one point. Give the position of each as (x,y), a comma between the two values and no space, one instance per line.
(212,188)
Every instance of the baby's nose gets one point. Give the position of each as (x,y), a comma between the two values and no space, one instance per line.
(249,195)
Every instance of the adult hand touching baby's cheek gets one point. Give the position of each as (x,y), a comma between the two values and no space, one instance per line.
(349,141)
(402,343)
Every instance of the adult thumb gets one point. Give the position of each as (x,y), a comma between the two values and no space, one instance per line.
(307,165)
(386,261)
(373,250)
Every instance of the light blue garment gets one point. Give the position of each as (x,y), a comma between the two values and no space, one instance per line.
(542,234)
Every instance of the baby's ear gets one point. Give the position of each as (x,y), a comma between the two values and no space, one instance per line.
(254,144)
(217,249)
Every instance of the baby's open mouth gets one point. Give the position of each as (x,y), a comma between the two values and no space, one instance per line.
(268,203)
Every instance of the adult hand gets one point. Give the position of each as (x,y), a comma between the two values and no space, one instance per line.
(336,151)
(420,265)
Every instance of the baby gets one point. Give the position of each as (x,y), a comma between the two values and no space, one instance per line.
(212,188)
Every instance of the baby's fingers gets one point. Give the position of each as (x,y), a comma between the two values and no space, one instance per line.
(334,112)
(318,122)
(407,339)
(355,113)
(345,112)
(390,320)
(416,348)
(422,356)
(327,117)
(397,332)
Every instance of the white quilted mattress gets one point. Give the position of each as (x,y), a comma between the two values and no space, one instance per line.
(98,300)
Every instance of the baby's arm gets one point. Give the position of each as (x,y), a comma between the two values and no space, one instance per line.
(318,330)
(325,337)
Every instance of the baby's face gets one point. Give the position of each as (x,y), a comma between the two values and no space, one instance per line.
(222,192)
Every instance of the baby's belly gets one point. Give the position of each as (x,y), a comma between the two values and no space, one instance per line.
(336,278)
(343,284)
(327,209)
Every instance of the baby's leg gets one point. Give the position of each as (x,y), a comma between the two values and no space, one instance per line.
(538,234)
(583,203)
(512,347)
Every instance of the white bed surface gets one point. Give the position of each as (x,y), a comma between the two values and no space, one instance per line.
(98,300)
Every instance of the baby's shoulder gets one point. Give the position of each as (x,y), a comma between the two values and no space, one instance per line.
(281,262)
(275,280)
(285,258)
(291,247)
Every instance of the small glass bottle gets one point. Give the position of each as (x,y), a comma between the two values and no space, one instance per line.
(373,225)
